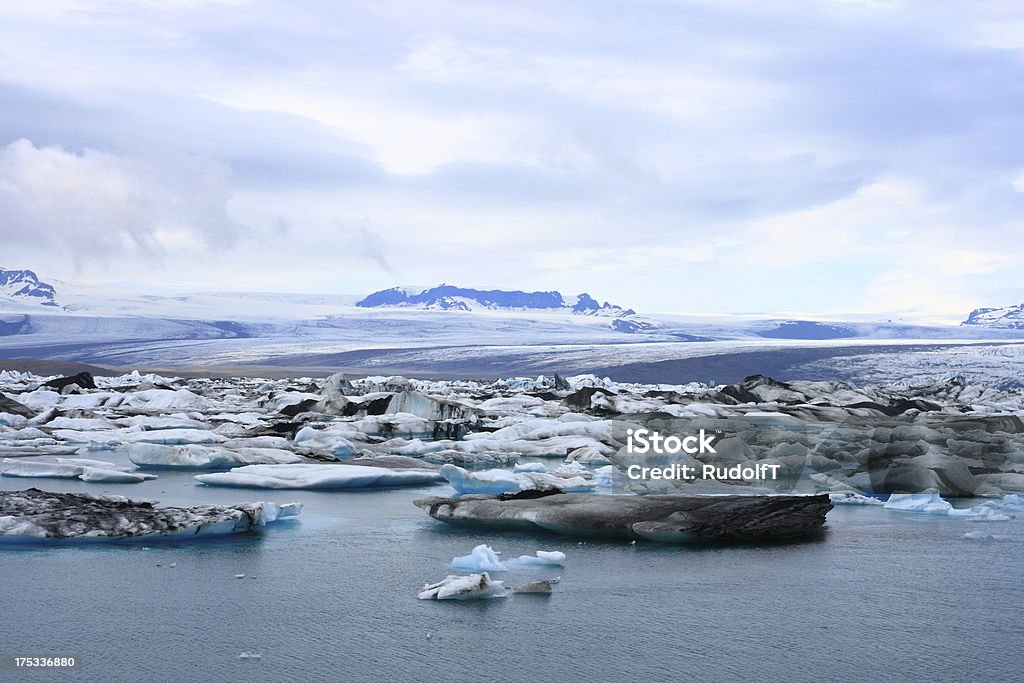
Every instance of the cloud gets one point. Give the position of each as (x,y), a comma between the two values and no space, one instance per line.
(798,156)
(95,204)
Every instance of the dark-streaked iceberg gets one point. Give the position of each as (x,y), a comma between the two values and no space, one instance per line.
(665,518)
(35,515)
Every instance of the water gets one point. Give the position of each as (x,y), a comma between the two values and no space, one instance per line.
(883,596)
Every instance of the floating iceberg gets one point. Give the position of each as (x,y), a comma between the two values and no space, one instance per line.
(931,503)
(670,519)
(482,559)
(207,457)
(97,472)
(541,586)
(318,477)
(542,558)
(34,515)
(174,437)
(485,558)
(504,481)
(471,587)
(530,467)
(852,498)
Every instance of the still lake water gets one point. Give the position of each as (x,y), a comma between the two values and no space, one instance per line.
(883,596)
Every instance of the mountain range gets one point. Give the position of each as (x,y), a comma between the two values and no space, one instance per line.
(1007,317)
(451,298)
(24,286)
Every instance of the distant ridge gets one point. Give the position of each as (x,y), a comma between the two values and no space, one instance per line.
(25,287)
(1007,318)
(451,298)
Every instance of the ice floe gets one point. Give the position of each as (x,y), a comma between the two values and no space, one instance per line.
(95,471)
(481,559)
(318,477)
(470,587)
(504,481)
(206,457)
(34,515)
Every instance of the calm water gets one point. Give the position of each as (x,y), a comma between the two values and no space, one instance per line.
(884,596)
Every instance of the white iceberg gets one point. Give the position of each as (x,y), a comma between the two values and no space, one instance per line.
(207,457)
(542,558)
(318,477)
(482,559)
(88,462)
(175,437)
(66,468)
(101,476)
(504,481)
(471,587)
(530,467)
(853,498)
(930,503)
(41,470)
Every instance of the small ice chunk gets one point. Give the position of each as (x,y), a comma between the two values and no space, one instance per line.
(250,655)
(482,559)
(530,467)
(239,576)
(979,536)
(853,498)
(542,586)
(107,476)
(543,558)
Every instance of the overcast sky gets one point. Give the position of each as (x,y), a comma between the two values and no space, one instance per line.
(716,156)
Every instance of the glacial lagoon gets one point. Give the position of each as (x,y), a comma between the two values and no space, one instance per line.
(882,595)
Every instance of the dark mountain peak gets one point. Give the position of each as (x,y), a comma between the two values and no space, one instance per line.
(24,286)
(452,298)
(1007,317)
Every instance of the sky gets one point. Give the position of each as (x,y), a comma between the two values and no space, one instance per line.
(829,158)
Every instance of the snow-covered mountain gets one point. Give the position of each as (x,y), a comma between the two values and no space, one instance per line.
(451,298)
(25,287)
(1007,318)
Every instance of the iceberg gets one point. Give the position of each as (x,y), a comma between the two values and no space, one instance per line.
(318,477)
(102,472)
(542,558)
(485,558)
(853,498)
(471,587)
(664,518)
(207,457)
(530,467)
(504,481)
(482,559)
(540,587)
(34,515)
(174,437)
(930,503)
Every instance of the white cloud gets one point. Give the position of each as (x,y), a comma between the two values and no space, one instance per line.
(95,203)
